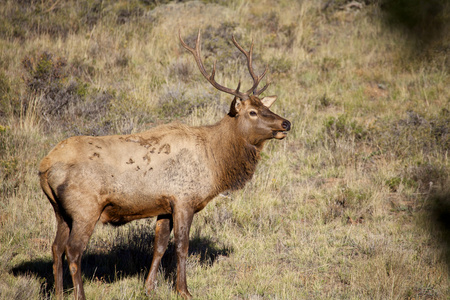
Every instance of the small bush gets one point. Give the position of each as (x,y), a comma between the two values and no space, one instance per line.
(329,63)
(128,12)
(176,102)
(66,100)
(394,183)
(347,201)
(280,66)
(323,102)
(180,69)
(342,127)
(44,72)
(427,176)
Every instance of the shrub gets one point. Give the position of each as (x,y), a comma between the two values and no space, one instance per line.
(176,102)
(426,176)
(342,127)
(323,102)
(280,66)
(66,100)
(45,73)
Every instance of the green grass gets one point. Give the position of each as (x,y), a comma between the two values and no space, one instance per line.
(354,204)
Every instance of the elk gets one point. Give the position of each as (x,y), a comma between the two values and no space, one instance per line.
(170,172)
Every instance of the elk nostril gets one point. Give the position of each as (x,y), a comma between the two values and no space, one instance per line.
(286,125)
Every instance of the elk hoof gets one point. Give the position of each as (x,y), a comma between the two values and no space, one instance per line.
(185,294)
(150,287)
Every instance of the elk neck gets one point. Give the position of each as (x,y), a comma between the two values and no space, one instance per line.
(232,157)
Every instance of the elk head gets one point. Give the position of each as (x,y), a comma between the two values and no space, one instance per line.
(255,121)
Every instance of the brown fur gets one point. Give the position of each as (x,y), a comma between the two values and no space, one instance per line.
(171,171)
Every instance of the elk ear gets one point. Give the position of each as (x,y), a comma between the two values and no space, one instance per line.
(235,107)
(268,101)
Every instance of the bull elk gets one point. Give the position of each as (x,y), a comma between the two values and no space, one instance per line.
(171,171)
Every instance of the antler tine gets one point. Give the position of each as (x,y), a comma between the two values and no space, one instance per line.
(258,92)
(210,78)
(239,86)
(256,79)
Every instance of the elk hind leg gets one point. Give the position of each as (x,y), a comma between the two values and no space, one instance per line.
(162,234)
(79,236)
(58,248)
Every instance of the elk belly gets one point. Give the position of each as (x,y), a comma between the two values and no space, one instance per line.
(118,212)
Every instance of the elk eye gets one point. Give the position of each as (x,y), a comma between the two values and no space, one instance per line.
(253,113)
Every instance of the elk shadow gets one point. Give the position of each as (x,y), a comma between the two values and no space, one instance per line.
(130,255)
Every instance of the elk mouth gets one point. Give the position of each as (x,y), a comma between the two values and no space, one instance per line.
(279,135)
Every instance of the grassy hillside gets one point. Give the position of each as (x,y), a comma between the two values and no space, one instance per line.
(354,204)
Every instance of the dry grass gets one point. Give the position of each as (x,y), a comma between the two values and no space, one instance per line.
(354,204)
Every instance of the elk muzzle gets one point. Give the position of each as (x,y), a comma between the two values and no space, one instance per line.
(281,134)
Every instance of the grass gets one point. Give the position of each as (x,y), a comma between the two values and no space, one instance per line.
(354,204)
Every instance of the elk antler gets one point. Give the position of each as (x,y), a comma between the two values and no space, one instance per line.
(256,79)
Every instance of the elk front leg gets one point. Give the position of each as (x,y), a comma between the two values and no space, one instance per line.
(162,234)
(182,220)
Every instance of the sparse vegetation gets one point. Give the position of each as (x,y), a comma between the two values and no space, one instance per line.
(354,204)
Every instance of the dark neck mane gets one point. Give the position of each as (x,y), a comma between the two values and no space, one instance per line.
(233,160)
